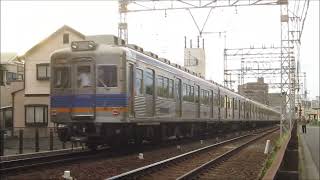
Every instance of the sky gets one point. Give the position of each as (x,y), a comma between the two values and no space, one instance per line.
(25,23)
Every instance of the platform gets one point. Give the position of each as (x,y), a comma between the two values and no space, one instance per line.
(309,149)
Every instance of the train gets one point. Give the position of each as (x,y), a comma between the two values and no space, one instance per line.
(110,93)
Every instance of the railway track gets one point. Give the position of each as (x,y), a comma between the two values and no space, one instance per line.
(17,165)
(192,164)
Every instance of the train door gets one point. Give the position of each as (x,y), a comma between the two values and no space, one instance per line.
(226,106)
(197,101)
(239,109)
(130,89)
(219,105)
(178,97)
(211,101)
(84,90)
(233,104)
(149,83)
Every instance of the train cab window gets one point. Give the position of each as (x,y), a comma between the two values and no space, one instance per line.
(149,81)
(107,76)
(139,82)
(84,77)
(61,77)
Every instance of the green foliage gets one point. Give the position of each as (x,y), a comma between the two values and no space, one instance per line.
(272,155)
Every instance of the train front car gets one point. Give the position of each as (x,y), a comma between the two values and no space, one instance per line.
(87,92)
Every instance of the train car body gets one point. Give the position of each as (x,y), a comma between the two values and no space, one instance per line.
(110,94)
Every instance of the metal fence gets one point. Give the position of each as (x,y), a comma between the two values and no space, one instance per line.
(29,140)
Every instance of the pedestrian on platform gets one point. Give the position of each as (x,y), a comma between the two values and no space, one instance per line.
(304,125)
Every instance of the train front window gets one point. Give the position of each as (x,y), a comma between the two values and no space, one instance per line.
(107,76)
(61,77)
(84,77)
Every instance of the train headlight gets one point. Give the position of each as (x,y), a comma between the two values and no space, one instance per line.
(83,45)
(53,112)
(74,45)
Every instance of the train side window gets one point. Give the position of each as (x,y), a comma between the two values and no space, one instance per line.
(160,86)
(149,81)
(171,88)
(61,77)
(107,76)
(184,92)
(197,94)
(188,93)
(191,94)
(139,82)
(222,101)
(163,86)
(204,97)
(215,99)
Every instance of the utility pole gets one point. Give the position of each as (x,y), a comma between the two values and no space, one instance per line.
(123,25)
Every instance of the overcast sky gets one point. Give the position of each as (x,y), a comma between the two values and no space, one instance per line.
(25,23)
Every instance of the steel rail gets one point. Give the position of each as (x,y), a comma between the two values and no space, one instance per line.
(193,173)
(9,166)
(136,173)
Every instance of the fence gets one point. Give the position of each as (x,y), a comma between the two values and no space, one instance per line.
(28,140)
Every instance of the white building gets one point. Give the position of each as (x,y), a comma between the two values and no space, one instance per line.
(32,103)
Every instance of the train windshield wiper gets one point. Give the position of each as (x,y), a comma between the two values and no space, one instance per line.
(104,85)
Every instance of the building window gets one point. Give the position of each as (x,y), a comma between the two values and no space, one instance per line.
(20,77)
(1,77)
(36,115)
(10,76)
(43,71)
(66,38)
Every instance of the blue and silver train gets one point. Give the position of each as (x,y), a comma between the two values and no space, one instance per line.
(113,94)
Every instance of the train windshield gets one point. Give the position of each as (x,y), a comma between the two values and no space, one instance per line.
(84,76)
(107,76)
(61,77)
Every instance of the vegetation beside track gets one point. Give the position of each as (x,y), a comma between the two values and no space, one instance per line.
(271,156)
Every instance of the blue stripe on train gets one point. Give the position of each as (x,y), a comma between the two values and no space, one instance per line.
(87,100)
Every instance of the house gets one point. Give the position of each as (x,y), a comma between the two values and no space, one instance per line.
(11,80)
(32,103)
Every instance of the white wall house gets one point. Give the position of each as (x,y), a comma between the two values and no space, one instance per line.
(11,80)
(32,104)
